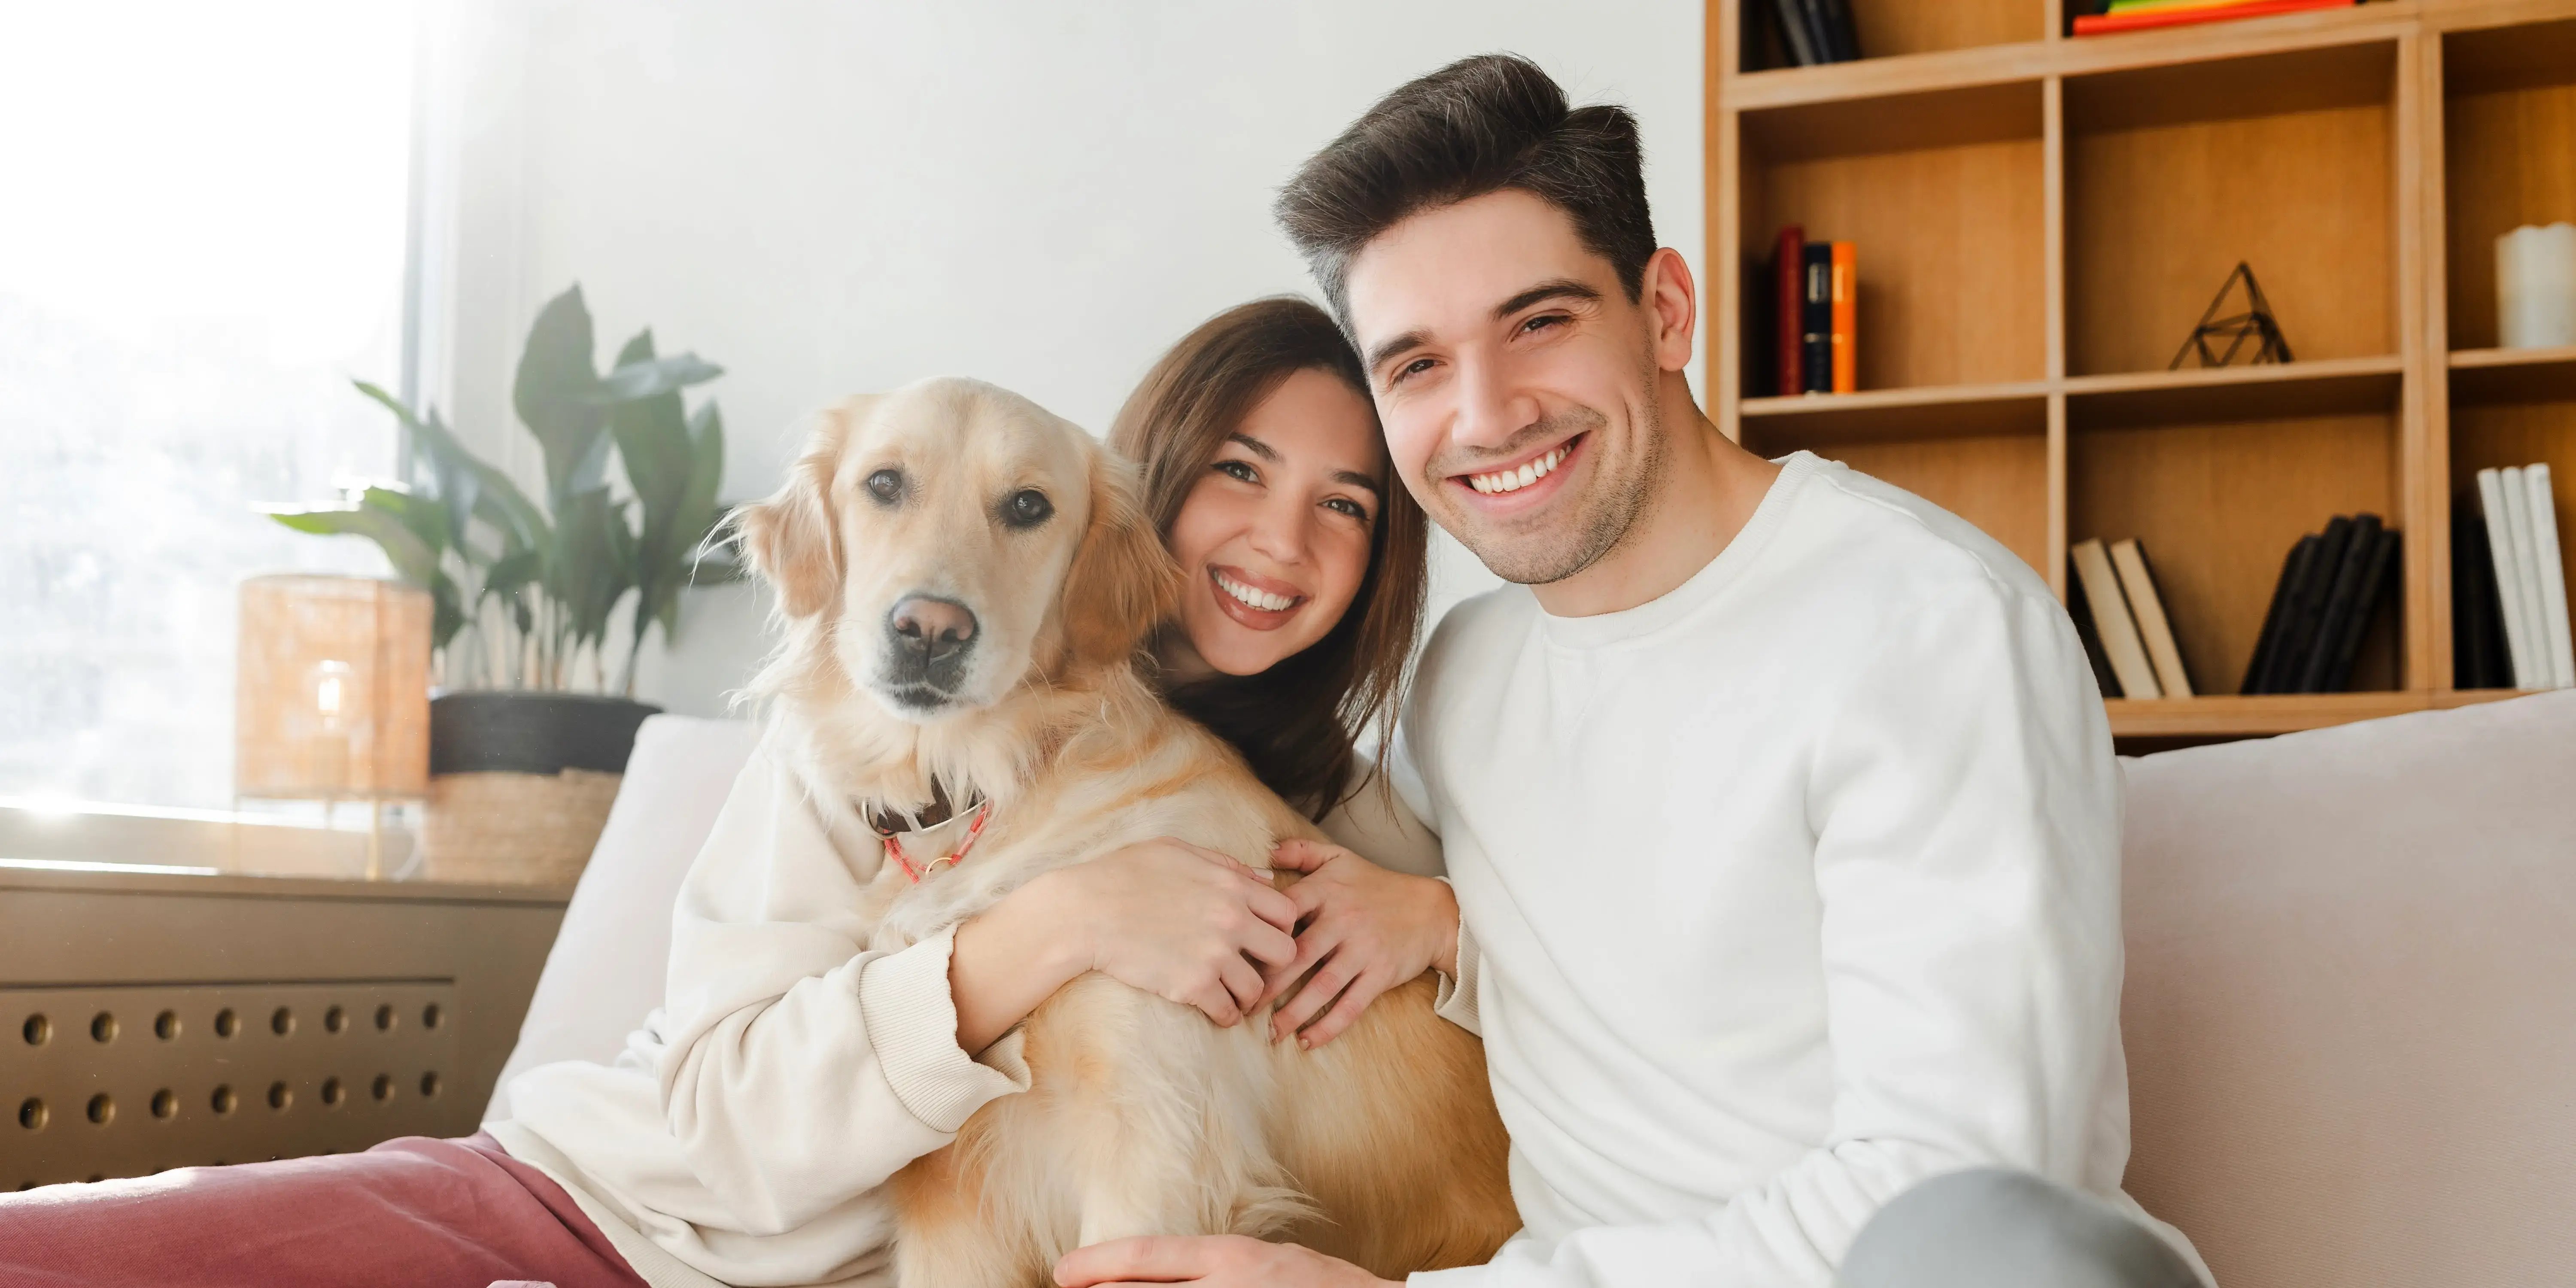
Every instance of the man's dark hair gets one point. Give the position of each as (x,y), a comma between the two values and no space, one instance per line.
(1476,126)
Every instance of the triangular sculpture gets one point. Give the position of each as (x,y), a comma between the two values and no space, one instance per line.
(2255,323)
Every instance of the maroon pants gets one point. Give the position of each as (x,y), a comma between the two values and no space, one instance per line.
(410,1212)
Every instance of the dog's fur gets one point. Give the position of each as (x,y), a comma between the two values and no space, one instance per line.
(1382,1147)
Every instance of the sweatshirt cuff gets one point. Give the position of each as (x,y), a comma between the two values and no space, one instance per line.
(1456,1000)
(912,1025)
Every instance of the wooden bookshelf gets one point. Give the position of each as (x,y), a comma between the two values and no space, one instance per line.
(2041,220)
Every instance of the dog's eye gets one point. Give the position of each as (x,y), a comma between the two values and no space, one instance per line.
(886,485)
(1027,508)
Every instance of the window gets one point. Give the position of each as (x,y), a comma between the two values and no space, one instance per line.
(204,241)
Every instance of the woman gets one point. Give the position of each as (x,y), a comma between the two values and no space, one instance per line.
(1266,474)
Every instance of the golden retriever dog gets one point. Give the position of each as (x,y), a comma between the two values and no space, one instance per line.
(965,581)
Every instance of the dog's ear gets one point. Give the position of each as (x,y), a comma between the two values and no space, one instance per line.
(1123,582)
(790,537)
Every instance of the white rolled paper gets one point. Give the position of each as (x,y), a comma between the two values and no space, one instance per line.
(2536,287)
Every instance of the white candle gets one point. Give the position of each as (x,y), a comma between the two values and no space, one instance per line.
(2536,287)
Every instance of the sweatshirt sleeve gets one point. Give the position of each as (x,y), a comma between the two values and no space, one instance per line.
(1383,823)
(1966,814)
(801,1071)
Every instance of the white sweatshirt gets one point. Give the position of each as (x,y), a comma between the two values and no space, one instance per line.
(1782,892)
(744,1134)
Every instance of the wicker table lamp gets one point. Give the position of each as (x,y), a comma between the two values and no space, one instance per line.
(332,701)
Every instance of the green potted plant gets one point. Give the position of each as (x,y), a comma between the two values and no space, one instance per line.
(530,732)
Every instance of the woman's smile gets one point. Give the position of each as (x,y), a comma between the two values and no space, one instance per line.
(1261,603)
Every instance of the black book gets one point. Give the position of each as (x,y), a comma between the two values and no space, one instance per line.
(2307,609)
(2478,655)
(2343,599)
(1816,319)
(1842,36)
(1793,32)
(2293,567)
(2081,609)
(2379,567)
(1820,34)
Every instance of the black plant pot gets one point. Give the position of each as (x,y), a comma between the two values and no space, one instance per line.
(532,733)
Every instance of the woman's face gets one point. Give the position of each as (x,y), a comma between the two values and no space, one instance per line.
(1275,536)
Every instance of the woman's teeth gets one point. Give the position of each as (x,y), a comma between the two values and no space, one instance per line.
(1514,480)
(1250,598)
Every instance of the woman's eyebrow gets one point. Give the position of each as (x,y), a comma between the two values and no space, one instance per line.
(1254,446)
(1357,479)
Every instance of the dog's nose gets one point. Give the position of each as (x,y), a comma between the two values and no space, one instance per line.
(938,627)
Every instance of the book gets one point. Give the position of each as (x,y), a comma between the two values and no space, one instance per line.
(2549,570)
(1789,310)
(2112,622)
(2336,653)
(1845,334)
(2080,609)
(1811,16)
(1794,32)
(2343,595)
(1816,319)
(2502,492)
(2477,621)
(2293,567)
(2107,23)
(2147,605)
(1842,36)
(2308,608)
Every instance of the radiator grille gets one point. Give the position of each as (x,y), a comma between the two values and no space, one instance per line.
(127,1080)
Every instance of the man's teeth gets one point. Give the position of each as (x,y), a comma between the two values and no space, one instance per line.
(1250,598)
(1514,480)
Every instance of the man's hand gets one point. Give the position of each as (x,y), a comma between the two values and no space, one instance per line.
(1366,930)
(1216,1261)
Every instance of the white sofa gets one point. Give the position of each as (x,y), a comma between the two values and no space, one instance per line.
(2350,1010)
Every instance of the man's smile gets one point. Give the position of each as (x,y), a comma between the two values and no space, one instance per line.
(1522,483)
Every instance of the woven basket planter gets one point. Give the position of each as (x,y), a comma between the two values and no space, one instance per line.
(520,783)
(515,829)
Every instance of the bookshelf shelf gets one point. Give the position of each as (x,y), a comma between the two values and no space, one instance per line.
(1884,415)
(2480,376)
(2253,716)
(2041,220)
(2201,395)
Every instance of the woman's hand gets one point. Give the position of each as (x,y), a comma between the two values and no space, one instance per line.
(1181,922)
(1366,930)
(1166,917)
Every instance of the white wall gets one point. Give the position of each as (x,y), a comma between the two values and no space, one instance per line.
(830,197)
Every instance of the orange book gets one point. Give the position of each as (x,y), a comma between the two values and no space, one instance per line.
(1846,287)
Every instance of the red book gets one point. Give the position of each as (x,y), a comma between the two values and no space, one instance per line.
(2096,24)
(1846,291)
(1791,293)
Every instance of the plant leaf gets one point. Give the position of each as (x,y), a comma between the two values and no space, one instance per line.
(556,395)
(412,558)
(651,377)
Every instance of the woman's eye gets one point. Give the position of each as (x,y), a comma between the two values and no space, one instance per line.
(886,485)
(1027,508)
(1344,505)
(1238,470)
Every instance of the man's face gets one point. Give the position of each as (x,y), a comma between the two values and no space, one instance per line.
(1515,379)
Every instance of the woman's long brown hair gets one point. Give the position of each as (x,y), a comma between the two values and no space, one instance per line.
(1297,721)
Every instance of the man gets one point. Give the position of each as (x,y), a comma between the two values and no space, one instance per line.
(1779,804)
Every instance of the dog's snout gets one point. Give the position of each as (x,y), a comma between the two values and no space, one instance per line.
(937,626)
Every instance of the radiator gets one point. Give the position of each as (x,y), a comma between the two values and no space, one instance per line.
(157,1022)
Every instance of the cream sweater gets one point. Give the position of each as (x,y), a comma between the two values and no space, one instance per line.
(1782,892)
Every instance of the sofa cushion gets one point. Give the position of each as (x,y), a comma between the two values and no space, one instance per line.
(2351,1002)
(606,970)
